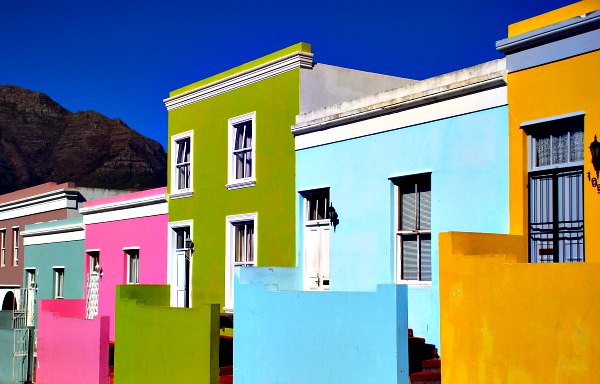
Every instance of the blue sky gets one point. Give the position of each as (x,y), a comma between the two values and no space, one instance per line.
(121,58)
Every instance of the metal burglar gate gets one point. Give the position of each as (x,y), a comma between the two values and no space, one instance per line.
(21,342)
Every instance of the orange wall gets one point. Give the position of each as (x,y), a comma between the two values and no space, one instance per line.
(553,89)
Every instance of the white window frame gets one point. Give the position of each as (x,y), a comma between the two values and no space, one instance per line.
(29,272)
(230,264)
(2,247)
(59,282)
(93,254)
(398,233)
(16,246)
(132,253)
(176,192)
(172,246)
(232,181)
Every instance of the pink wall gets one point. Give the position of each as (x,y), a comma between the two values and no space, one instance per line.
(147,233)
(71,350)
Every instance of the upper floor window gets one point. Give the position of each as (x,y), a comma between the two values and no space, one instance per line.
(181,160)
(94,261)
(556,189)
(242,151)
(413,228)
(133,266)
(15,246)
(2,247)
(59,282)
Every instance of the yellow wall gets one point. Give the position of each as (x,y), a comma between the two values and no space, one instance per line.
(509,322)
(553,89)
(573,10)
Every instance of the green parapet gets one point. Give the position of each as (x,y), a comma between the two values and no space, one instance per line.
(156,343)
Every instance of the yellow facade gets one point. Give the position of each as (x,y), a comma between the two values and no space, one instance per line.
(503,319)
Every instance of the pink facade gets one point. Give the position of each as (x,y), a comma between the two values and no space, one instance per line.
(117,226)
(70,348)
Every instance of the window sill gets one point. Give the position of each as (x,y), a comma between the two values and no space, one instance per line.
(227,310)
(415,283)
(181,194)
(241,184)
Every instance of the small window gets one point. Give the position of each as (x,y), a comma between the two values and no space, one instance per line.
(242,154)
(181,158)
(133,266)
(413,230)
(241,250)
(30,278)
(94,261)
(2,247)
(59,282)
(15,246)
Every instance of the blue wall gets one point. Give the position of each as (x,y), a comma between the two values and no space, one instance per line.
(467,156)
(317,337)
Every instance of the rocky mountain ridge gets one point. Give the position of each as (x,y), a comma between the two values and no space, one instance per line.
(41,141)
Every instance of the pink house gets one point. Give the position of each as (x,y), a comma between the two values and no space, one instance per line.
(125,243)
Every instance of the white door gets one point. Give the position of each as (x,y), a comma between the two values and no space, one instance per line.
(316,255)
(180,268)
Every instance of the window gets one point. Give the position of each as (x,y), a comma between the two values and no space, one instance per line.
(15,246)
(317,204)
(181,158)
(133,266)
(2,247)
(242,151)
(241,249)
(94,261)
(413,228)
(59,282)
(556,190)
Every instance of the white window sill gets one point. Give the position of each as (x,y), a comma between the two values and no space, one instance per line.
(227,310)
(415,283)
(182,193)
(243,183)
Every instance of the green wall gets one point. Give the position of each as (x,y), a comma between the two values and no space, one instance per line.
(276,101)
(177,345)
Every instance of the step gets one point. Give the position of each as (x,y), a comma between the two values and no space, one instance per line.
(426,377)
(227,379)
(431,365)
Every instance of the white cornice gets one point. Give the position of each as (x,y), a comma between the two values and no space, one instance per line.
(445,87)
(118,205)
(44,202)
(272,68)
(53,230)
(36,199)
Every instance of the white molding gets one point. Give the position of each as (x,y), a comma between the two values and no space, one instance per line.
(44,202)
(261,72)
(52,230)
(174,192)
(121,205)
(230,221)
(100,215)
(549,119)
(58,267)
(232,182)
(59,237)
(491,98)
(92,250)
(131,248)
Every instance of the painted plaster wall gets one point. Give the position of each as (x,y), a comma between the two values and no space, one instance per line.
(505,321)
(276,102)
(147,233)
(319,337)
(6,347)
(467,158)
(574,87)
(70,348)
(177,345)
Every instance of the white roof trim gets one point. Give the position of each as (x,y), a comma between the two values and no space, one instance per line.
(272,68)
(53,230)
(119,205)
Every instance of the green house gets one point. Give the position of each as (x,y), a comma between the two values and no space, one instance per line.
(232,166)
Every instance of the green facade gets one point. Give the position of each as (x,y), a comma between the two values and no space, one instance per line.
(276,102)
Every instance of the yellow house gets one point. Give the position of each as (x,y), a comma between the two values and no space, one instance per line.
(523,307)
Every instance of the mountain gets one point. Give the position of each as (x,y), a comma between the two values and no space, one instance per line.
(41,141)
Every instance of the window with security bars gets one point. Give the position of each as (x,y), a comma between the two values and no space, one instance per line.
(556,191)
(413,231)
(243,233)
(317,205)
(242,150)
(183,164)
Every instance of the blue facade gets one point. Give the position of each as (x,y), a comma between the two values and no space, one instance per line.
(467,156)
